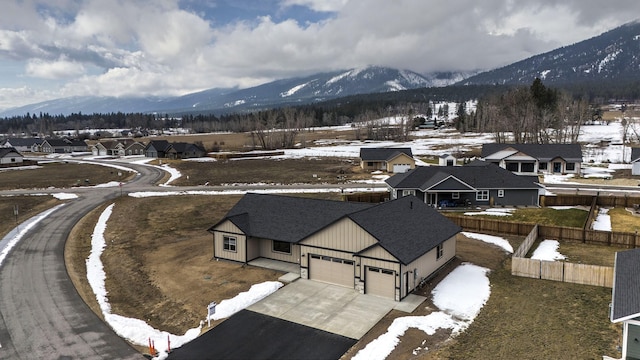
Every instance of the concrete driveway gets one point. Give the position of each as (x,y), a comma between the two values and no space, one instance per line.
(331,308)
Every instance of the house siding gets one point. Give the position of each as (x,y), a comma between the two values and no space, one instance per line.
(266,251)
(229,229)
(375,165)
(427,264)
(343,235)
(401,159)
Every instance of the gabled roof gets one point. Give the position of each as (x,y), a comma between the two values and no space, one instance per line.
(406,227)
(626,286)
(544,152)
(22,141)
(383,154)
(159,145)
(4,151)
(286,218)
(181,147)
(477,174)
(57,142)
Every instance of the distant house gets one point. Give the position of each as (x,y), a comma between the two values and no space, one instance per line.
(134,148)
(393,160)
(475,184)
(20,144)
(447,160)
(51,146)
(182,150)
(157,149)
(635,161)
(625,305)
(530,159)
(355,245)
(98,149)
(10,157)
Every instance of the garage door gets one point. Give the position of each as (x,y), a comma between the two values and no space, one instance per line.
(400,168)
(380,282)
(331,270)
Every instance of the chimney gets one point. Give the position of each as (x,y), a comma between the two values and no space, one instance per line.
(411,204)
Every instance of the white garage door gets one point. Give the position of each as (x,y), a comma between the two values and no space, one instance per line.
(331,270)
(400,168)
(380,282)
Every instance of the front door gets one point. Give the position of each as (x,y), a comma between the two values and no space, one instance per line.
(557,167)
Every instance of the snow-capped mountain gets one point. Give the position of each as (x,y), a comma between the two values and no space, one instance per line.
(294,91)
(613,55)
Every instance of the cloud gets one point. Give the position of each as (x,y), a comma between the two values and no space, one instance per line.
(58,69)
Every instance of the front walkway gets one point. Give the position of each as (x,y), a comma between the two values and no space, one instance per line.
(332,308)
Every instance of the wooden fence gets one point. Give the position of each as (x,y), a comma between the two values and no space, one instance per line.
(585,200)
(563,271)
(527,243)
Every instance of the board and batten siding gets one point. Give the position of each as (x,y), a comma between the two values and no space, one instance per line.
(427,264)
(307,250)
(378,252)
(227,228)
(344,235)
(401,159)
(266,251)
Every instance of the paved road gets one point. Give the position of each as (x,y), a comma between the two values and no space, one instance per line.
(41,314)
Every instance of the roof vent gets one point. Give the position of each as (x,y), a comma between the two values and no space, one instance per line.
(411,204)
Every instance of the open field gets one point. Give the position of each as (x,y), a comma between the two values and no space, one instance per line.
(61,175)
(547,216)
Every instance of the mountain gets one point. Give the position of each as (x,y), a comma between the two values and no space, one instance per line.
(294,91)
(611,56)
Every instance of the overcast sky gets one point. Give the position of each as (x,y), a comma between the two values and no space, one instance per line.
(59,48)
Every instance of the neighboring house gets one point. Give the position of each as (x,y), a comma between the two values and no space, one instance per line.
(10,156)
(476,184)
(384,249)
(447,160)
(393,160)
(531,159)
(98,149)
(134,148)
(77,145)
(635,161)
(37,145)
(625,305)
(51,146)
(181,150)
(157,149)
(20,144)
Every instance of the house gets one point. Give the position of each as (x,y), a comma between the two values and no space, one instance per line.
(476,184)
(393,160)
(447,160)
(10,157)
(157,148)
(57,146)
(625,305)
(384,249)
(77,145)
(133,148)
(20,144)
(120,147)
(98,149)
(635,161)
(530,159)
(182,150)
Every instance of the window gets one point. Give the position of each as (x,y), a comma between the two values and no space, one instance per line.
(281,247)
(455,195)
(408,192)
(439,251)
(369,163)
(527,167)
(229,243)
(482,195)
(570,166)
(500,193)
(512,166)
(542,166)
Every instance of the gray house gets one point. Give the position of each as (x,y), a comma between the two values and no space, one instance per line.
(384,249)
(476,184)
(528,159)
(157,149)
(20,144)
(625,306)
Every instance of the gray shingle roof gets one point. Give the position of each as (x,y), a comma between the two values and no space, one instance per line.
(479,175)
(7,150)
(407,227)
(382,154)
(22,141)
(570,152)
(626,286)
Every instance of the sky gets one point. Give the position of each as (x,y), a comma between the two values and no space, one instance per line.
(60,48)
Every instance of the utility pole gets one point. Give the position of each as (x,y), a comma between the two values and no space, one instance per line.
(16,210)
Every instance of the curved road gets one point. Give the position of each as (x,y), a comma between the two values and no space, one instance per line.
(41,314)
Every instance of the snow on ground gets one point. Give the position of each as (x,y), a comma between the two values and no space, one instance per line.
(495,240)
(175,173)
(201,159)
(558,179)
(492,212)
(460,297)
(245,299)
(602,221)
(597,172)
(135,330)
(64,196)
(566,207)
(109,184)
(141,194)
(14,236)
(548,250)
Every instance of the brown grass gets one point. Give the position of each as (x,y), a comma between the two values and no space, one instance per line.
(61,175)
(624,220)
(28,206)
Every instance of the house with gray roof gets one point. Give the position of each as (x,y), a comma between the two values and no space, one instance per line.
(10,157)
(476,184)
(393,160)
(528,159)
(625,305)
(384,249)
(20,144)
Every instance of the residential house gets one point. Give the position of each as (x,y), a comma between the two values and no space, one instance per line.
(384,249)
(134,148)
(182,150)
(635,161)
(77,145)
(393,160)
(625,305)
(51,146)
(531,159)
(157,148)
(20,144)
(10,157)
(476,184)
(98,149)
